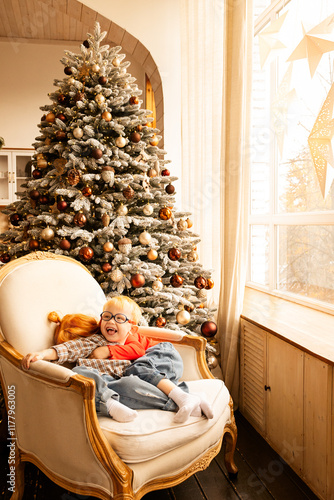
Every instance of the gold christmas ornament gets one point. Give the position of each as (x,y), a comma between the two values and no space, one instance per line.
(106,116)
(148,209)
(116,62)
(78,132)
(145,238)
(42,163)
(152,254)
(95,68)
(120,142)
(99,98)
(183,317)
(47,234)
(122,210)
(108,246)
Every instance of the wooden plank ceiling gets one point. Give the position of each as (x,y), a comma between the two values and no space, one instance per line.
(67,20)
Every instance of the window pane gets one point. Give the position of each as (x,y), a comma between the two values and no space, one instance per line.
(259,265)
(306,261)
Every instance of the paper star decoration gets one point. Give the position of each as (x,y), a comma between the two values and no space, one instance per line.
(319,141)
(279,109)
(268,40)
(315,43)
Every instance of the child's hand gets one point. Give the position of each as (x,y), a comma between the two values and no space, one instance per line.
(101,352)
(48,354)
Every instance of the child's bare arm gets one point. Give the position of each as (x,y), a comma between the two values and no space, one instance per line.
(101,352)
(47,354)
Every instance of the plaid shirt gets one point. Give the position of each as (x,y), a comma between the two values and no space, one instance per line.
(79,350)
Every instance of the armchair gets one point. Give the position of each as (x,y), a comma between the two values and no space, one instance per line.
(52,420)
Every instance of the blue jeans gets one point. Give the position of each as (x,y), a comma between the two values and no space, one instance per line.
(137,388)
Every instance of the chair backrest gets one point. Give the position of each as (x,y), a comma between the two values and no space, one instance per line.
(36,284)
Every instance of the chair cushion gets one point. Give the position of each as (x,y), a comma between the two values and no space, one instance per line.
(154,432)
(31,291)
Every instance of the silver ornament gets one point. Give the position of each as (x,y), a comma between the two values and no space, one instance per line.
(145,238)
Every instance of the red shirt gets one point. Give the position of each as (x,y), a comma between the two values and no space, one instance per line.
(134,347)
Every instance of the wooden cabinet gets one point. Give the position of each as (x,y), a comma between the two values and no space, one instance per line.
(287,395)
(15,167)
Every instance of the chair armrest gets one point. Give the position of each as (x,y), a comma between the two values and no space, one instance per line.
(55,410)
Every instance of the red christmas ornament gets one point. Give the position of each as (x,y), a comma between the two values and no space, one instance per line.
(209,329)
(68,70)
(5,257)
(165,172)
(134,100)
(33,244)
(160,322)
(65,244)
(43,199)
(15,219)
(176,280)
(36,173)
(61,117)
(174,254)
(87,191)
(137,280)
(200,282)
(96,153)
(135,137)
(169,189)
(102,80)
(34,194)
(106,267)
(86,254)
(62,205)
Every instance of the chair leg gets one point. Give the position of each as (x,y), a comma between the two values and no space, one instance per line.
(230,436)
(19,478)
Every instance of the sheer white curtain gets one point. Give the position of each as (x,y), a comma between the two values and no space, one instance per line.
(216,74)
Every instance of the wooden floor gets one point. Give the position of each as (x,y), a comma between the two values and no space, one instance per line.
(262,476)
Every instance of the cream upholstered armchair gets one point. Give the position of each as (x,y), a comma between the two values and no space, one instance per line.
(51,410)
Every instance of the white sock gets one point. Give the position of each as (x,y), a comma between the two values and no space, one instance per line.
(120,412)
(189,405)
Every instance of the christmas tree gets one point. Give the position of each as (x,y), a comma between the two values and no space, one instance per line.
(101,193)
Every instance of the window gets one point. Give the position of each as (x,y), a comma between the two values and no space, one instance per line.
(292,208)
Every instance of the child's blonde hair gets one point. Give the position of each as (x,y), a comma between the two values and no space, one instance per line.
(120,301)
(73,326)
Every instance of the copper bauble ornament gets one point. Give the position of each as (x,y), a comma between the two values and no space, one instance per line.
(145,238)
(33,244)
(96,153)
(61,117)
(137,280)
(125,245)
(5,257)
(170,189)
(157,285)
(80,219)
(106,116)
(36,173)
(15,219)
(86,254)
(108,246)
(209,284)
(65,244)
(108,175)
(160,322)
(43,199)
(128,193)
(174,254)
(182,225)
(34,194)
(183,317)
(60,135)
(208,329)
(134,100)
(87,191)
(135,137)
(152,254)
(165,213)
(73,177)
(47,234)
(102,80)
(116,275)
(122,210)
(176,280)
(192,256)
(190,223)
(105,219)
(68,70)
(106,267)
(50,117)
(78,132)
(200,282)
(154,140)
(148,209)
(165,172)
(120,142)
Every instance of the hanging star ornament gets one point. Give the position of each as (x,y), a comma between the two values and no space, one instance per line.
(268,39)
(315,43)
(319,141)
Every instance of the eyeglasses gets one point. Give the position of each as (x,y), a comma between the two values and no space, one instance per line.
(118,317)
